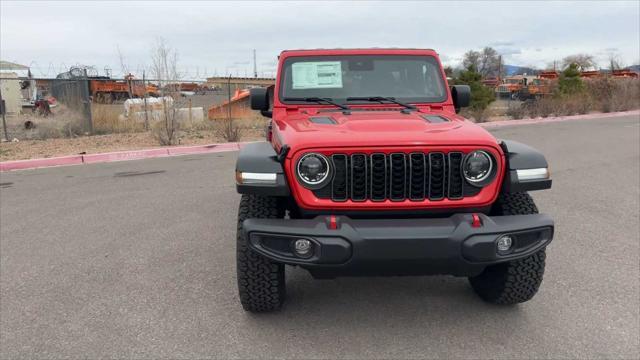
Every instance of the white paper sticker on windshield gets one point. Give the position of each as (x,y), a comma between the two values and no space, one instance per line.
(317,75)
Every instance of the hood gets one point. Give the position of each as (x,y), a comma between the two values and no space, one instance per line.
(379,128)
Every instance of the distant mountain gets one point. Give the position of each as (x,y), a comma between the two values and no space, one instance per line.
(511,70)
(635,68)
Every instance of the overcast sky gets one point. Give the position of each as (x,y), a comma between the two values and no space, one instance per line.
(219,37)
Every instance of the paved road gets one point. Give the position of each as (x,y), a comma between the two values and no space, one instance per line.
(136,259)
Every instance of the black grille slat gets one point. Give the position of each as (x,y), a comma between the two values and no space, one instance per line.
(339,183)
(437,173)
(456,182)
(398,176)
(358,177)
(378,175)
(416,176)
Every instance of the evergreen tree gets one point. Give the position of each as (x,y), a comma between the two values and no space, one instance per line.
(481,96)
(570,81)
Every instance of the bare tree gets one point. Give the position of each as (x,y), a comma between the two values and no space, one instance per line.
(164,63)
(486,62)
(583,61)
(124,67)
(552,66)
(471,59)
(489,62)
(164,68)
(227,128)
(615,63)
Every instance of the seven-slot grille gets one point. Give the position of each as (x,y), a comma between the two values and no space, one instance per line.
(415,176)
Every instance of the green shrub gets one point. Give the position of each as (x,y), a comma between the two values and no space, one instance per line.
(570,82)
(481,96)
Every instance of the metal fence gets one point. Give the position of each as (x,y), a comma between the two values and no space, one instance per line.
(86,98)
(27,101)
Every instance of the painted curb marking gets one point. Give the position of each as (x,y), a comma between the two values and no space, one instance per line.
(123,156)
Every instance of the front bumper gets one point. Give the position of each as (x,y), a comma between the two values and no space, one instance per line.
(454,245)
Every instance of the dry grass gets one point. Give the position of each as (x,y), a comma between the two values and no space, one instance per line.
(107,119)
(478,115)
(601,95)
(614,94)
(28,149)
(64,123)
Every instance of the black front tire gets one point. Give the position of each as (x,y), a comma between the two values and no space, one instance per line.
(261,282)
(515,281)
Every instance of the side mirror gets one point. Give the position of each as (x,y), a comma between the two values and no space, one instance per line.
(461,95)
(259,98)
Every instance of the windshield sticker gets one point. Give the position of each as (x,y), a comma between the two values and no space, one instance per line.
(317,75)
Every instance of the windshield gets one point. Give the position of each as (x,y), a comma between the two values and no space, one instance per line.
(415,79)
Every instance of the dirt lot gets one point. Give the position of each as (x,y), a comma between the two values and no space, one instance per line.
(62,133)
(28,149)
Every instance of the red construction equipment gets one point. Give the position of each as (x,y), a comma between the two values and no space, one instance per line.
(590,74)
(624,74)
(549,75)
(108,91)
(510,87)
(491,82)
(239,104)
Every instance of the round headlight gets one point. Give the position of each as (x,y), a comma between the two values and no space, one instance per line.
(313,170)
(477,167)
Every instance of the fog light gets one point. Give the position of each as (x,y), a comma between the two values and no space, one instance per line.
(504,243)
(302,247)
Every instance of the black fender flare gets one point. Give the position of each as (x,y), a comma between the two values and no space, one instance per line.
(522,157)
(261,158)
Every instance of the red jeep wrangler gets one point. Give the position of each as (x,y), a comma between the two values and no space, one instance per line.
(368,170)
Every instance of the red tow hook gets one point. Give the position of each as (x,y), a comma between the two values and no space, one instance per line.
(476,222)
(333,223)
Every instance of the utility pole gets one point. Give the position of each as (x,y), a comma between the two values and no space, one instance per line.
(86,99)
(4,121)
(146,115)
(229,98)
(255,65)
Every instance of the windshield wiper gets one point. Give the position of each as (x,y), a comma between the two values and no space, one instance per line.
(319,101)
(382,99)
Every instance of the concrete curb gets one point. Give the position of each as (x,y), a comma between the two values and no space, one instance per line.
(213,148)
(117,156)
(37,163)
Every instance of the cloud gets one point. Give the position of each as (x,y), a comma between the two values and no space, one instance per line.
(508,51)
(502,43)
(222,35)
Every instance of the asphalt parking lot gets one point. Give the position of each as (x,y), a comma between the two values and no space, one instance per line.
(136,259)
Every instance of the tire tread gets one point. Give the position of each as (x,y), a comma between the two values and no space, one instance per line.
(514,281)
(261,282)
